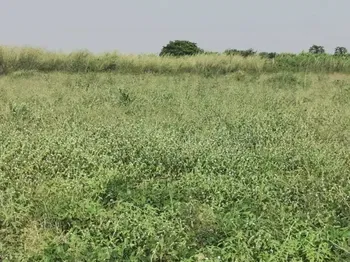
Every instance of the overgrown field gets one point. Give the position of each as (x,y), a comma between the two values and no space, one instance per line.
(113,167)
(14,58)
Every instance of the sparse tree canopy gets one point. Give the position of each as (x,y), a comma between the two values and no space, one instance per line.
(268,55)
(244,53)
(231,52)
(340,51)
(248,52)
(180,48)
(211,53)
(317,49)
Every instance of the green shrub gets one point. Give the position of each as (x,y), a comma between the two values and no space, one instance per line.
(267,55)
(231,52)
(180,48)
(340,51)
(244,53)
(317,49)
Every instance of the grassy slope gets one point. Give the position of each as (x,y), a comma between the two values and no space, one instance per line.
(169,168)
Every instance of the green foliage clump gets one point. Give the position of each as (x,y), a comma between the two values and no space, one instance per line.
(244,53)
(179,48)
(317,49)
(269,55)
(340,51)
(231,52)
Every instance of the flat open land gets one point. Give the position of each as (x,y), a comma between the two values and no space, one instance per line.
(183,167)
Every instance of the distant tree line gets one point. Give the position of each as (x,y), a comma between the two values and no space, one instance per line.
(186,48)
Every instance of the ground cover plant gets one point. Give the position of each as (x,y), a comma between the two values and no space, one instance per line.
(182,167)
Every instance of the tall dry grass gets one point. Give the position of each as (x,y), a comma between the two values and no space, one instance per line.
(14,59)
(27,58)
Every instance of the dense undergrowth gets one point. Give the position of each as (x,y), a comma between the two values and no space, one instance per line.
(15,59)
(117,167)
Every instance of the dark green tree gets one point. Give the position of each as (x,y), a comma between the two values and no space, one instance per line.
(248,52)
(340,51)
(180,48)
(244,53)
(270,55)
(231,52)
(317,49)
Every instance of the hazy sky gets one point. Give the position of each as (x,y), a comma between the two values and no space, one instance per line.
(144,26)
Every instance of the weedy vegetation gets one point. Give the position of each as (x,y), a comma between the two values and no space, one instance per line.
(116,166)
(172,61)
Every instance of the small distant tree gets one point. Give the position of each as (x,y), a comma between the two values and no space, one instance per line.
(270,55)
(340,51)
(231,52)
(211,53)
(317,49)
(180,48)
(244,53)
(248,52)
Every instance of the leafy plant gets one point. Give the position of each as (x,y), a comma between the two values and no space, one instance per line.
(270,55)
(340,51)
(248,52)
(180,48)
(244,53)
(316,49)
(231,52)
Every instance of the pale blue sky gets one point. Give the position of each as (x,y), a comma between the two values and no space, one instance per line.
(144,26)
